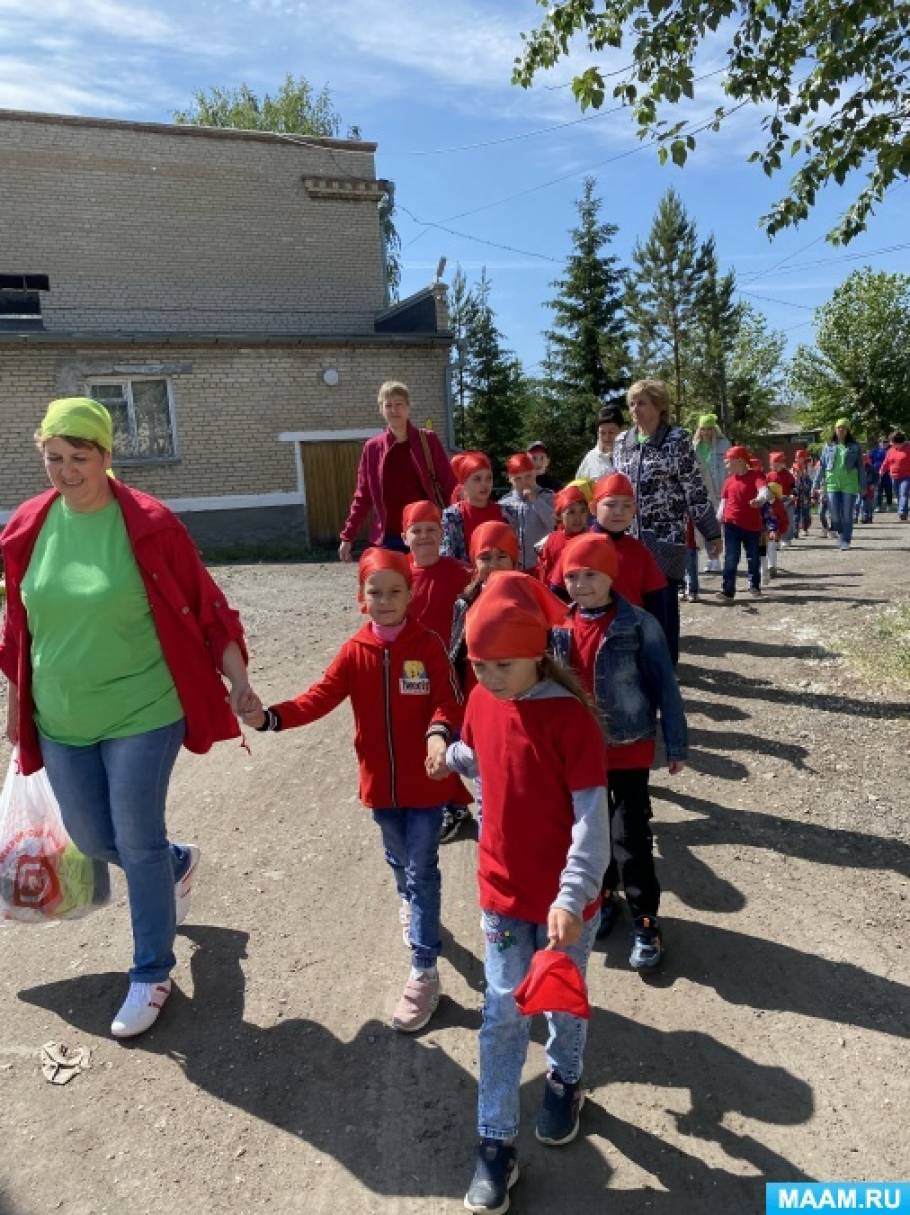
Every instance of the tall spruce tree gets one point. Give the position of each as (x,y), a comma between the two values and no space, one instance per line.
(494,383)
(661,296)
(462,300)
(716,324)
(588,358)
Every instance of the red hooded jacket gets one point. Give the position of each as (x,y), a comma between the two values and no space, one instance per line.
(397,692)
(193,620)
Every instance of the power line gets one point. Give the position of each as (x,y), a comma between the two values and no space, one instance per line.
(558,126)
(427,223)
(846,257)
(770,300)
(583,172)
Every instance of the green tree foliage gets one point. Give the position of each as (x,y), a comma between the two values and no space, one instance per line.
(757,378)
(493,383)
(831,77)
(296,109)
(462,301)
(860,366)
(661,300)
(588,354)
(714,333)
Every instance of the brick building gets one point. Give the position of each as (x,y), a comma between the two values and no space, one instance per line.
(223,292)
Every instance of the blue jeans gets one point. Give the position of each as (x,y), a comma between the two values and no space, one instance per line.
(902,489)
(691,571)
(792,523)
(112,796)
(411,841)
(504,1033)
(737,538)
(841,506)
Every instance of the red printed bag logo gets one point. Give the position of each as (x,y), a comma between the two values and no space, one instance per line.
(36,883)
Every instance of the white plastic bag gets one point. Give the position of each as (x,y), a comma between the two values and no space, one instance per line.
(43,875)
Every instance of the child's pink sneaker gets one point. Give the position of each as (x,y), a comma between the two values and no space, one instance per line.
(418,1002)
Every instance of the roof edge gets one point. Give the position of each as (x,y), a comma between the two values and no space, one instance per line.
(181,129)
(45,337)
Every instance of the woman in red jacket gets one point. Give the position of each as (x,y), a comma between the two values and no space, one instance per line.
(114,642)
(403,464)
(407,704)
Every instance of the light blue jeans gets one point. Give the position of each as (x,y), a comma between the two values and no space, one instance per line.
(504,1033)
(411,841)
(112,797)
(902,489)
(841,507)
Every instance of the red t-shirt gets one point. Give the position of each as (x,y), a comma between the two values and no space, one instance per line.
(784,479)
(549,566)
(473,516)
(587,634)
(737,493)
(639,573)
(780,517)
(533,755)
(401,485)
(434,591)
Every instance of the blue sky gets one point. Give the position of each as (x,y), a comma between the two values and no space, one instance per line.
(425,80)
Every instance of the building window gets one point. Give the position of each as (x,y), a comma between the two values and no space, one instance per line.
(143,415)
(20,303)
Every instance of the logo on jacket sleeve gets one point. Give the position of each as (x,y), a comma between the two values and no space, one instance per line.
(414,679)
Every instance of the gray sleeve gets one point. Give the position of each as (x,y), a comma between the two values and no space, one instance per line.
(461,759)
(589,852)
(543,508)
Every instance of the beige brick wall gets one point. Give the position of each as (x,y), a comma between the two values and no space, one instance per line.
(230,404)
(145,230)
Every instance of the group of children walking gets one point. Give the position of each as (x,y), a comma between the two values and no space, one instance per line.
(523,659)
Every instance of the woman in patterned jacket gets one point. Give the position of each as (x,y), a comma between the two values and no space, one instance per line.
(660,461)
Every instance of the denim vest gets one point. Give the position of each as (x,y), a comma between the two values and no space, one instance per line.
(633,678)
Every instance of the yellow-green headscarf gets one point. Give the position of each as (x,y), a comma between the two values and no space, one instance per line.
(81,418)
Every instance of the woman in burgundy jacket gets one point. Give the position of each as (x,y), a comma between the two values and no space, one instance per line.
(399,466)
(115,639)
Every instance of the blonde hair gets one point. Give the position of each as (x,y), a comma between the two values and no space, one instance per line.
(654,391)
(393,388)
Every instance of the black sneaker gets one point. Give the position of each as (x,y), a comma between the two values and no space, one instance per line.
(557,1119)
(647,944)
(495,1173)
(609,911)
(453,819)
(724,596)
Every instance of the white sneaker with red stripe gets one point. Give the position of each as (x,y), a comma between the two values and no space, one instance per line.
(140,1009)
(183,890)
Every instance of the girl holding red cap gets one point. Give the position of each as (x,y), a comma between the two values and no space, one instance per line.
(471,504)
(528,508)
(572,518)
(621,657)
(531,736)
(407,706)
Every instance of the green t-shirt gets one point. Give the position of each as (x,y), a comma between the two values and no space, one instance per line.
(703,451)
(840,479)
(97,667)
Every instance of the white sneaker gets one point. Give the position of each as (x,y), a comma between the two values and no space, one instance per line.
(404,919)
(140,1009)
(183,890)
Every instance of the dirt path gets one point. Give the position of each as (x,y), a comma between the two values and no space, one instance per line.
(772,1046)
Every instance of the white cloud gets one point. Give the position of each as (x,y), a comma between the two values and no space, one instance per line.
(134,22)
(25,87)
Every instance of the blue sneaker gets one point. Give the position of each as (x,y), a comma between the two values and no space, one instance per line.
(647,945)
(558,1117)
(609,912)
(495,1173)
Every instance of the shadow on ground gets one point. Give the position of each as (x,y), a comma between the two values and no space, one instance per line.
(347,1099)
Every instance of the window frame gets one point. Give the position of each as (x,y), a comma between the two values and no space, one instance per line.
(125,383)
